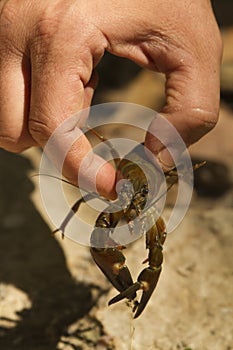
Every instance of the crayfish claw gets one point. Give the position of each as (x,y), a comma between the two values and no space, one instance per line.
(129,293)
(112,264)
(148,280)
(58,230)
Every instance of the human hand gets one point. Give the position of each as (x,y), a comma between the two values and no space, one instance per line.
(49,50)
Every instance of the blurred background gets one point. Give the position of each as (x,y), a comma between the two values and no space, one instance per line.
(52,296)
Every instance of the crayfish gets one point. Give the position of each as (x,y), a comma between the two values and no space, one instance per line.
(135,203)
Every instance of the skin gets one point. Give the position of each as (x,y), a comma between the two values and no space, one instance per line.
(49,51)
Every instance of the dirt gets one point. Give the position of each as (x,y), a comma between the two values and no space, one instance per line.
(52,296)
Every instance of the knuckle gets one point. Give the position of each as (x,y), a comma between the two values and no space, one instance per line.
(45,28)
(204,121)
(52,20)
(9,30)
(47,36)
(211,123)
(11,144)
(8,15)
(39,130)
(42,39)
(57,21)
(12,34)
(207,124)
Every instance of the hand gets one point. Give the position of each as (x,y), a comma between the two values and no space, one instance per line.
(49,50)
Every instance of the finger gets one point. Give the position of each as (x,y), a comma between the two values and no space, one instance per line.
(14,105)
(192,99)
(192,109)
(61,87)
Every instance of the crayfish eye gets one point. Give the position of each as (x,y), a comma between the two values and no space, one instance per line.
(144,190)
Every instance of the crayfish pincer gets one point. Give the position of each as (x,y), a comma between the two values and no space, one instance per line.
(135,205)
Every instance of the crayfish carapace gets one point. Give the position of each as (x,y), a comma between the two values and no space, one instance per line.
(135,201)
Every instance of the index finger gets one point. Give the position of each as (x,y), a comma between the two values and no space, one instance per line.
(59,88)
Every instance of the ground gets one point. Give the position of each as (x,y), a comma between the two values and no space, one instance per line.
(52,296)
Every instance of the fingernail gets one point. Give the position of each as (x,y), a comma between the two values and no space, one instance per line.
(105,181)
(97,175)
(165,160)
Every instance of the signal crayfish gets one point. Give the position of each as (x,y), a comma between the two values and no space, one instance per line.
(136,206)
